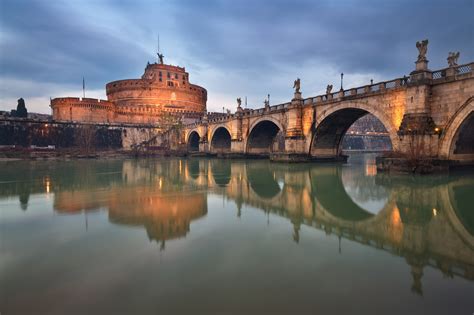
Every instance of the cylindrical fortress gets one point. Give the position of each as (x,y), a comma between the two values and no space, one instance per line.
(163,90)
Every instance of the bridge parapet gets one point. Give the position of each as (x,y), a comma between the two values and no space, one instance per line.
(438,76)
(358,92)
(457,72)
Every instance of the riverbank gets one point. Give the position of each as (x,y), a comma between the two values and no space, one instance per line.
(20,153)
(404,165)
(387,163)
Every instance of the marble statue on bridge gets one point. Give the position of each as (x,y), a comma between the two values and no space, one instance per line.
(328,89)
(297,85)
(422,49)
(453,59)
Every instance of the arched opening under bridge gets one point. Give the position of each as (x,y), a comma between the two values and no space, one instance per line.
(221,141)
(349,129)
(264,138)
(193,142)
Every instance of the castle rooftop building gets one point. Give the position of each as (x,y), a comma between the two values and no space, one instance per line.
(163,91)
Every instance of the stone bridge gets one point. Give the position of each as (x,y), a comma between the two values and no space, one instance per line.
(426,114)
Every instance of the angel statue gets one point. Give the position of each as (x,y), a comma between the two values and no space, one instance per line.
(453,59)
(239,101)
(328,89)
(266,103)
(422,49)
(297,85)
(160,56)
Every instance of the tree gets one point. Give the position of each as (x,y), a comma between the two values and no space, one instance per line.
(21,110)
(85,138)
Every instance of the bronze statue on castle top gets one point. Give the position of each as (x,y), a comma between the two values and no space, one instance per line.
(160,57)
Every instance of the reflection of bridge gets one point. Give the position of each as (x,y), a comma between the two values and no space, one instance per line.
(416,222)
(430,110)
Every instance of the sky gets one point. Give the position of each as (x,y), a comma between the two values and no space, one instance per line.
(233,48)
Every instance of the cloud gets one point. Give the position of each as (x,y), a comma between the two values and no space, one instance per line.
(232,48)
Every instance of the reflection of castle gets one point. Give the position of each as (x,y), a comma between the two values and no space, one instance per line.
(162,90)
(164,217)
(134,195)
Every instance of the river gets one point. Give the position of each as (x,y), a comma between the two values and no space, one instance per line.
(233,236)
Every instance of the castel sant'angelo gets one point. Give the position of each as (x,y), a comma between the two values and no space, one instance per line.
(163,91)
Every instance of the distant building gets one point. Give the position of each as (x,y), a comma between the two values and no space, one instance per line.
(162,92)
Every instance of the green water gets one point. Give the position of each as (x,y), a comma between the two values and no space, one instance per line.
(218,236)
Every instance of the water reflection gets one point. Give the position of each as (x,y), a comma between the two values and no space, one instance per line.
(426,220)
(359,178)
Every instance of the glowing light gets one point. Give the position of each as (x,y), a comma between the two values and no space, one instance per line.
(435,212)
(160,183)
(47,184)
(396,225)
(371,170)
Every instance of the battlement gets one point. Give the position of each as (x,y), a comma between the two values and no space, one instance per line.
(161,66)
(79,101)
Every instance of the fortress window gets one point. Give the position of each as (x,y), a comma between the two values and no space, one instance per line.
(176,76)
(161,80)
(160,74)
(169,75)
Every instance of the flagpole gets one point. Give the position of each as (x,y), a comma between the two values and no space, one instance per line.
(83,88)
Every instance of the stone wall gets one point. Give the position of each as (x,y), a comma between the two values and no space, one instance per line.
(446,99)
(27,132)
(82,109)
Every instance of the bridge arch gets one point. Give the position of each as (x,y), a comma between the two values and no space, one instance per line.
(458,136)
(332,124)
(262,135)
(192,141)
(220,139)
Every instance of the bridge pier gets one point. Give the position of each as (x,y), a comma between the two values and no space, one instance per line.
(237,146)
(203,146)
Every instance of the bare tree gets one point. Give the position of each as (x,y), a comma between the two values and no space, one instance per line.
(416,158)
(85,138)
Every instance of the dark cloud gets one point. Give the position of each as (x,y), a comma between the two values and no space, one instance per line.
(231,47)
